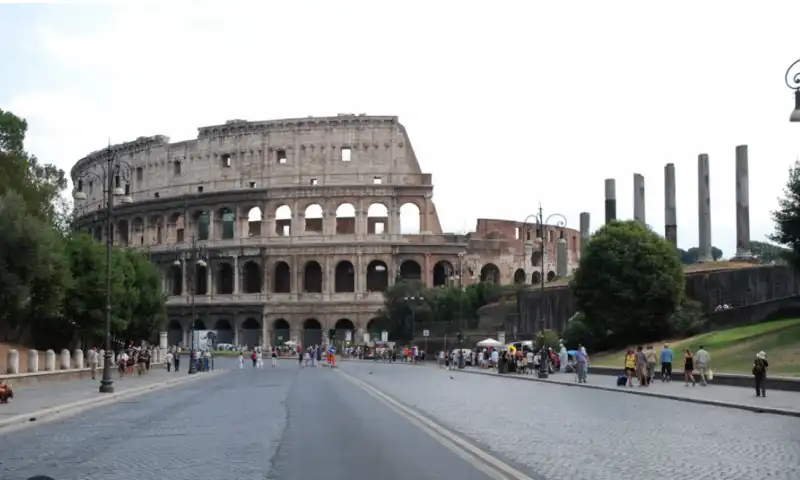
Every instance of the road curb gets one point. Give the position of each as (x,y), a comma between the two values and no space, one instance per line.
(666,396)
(18,422)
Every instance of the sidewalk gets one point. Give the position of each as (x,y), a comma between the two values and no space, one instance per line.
(776,402)
(56,398)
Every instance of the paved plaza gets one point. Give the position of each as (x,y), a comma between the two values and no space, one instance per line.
(292,423)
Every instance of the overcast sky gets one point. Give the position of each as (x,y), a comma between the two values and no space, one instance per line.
(507,103)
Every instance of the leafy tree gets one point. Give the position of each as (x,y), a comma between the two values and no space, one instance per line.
(787,217)
(577,333)
(628,284)
(148,310)
(689,257)
(767,253)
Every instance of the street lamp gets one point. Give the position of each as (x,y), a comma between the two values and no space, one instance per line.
(543,226)
(114,176)
(413,301)
(195,257)
(793,82)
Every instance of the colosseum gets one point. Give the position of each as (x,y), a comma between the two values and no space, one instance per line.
(283,229)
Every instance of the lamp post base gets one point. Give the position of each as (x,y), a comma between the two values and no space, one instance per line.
(106,386)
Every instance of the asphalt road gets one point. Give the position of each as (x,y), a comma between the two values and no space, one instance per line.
(284,423)
(562,432)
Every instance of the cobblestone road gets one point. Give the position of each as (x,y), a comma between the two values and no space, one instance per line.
(285,424)
(562,432)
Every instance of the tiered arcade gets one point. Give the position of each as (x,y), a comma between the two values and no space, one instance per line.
(299,222)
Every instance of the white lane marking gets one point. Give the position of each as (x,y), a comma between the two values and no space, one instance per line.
(488,464)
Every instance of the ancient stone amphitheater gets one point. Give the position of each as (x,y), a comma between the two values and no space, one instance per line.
(283,229)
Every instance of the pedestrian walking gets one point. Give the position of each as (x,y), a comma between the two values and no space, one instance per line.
(580,364)
(760,366)
(94,359)
(241,360)
(702,360)
(260,363)
(274,358)
(688,367)
(641,366)
(168,361)
(650,356)
(666,364)
(176,359)
(630,366)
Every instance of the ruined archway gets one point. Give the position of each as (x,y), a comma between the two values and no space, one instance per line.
(312,333)
(312,277)
(536,258)
(175,278)
(536,278)
(282,280)
(377,219)
(225,278)
(283,221)
(250,333)
(409,219)
(410,270)
(519,276)
(345,280)
(442,274)
(224,331)
(202,220)
(281,332)
(342,327)
(490,273)
(551,276)
(174,333)
(251,273)
(374,329)
(346,219)
(377,276)
(314,216)
(254,221)
(200,279)
(199,324)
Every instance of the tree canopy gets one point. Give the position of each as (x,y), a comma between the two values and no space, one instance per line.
(52,280)
(689,257)
(629,283)
(787,218)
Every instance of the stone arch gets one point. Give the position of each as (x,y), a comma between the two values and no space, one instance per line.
(251,274)
(200,279)
(225,278)
(282,279)
(312,333)
(490,273)
(442,273)
(536,278)
(255,219)
(199,324)
(156,226)
(536,258)
(551,276)
(344,325)
(227,220)
(410,270)
(345,219)
(377,276)
(283,221)
(281,331)
(312,277)
(314,218)
(345,277)
(377,219)
(174,333)
(410,219)
(122,233)
(202,219)
(175,280)
(374,328)
(520,277)
(176,228)
(224,331)
(138,231)
(250,332)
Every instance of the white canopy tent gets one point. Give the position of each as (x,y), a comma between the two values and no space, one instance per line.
(490,342)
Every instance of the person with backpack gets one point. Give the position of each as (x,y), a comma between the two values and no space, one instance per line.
(760,366)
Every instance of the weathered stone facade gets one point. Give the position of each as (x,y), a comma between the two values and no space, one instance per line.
(299,223)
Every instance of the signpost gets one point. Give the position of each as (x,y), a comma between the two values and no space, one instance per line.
(426,333)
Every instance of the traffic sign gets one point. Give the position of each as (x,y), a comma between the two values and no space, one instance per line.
(426,333)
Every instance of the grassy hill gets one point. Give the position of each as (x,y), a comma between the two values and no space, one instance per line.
(733,350)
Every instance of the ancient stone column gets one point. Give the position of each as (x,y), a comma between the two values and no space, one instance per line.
(670,205)
(561,258)
(742,205)
(65,363)
(704,209)
(12,363)
(638,198)
(585,226)
(33,361)
(611,200)
(49,360)
(77,357)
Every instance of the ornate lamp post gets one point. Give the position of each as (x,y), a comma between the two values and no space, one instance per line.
(114,176)
(543,225)
(195,256)
(793,82)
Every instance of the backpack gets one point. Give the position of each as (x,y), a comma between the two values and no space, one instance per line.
(759,368)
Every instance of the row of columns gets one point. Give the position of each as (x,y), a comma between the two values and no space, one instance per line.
(703,205)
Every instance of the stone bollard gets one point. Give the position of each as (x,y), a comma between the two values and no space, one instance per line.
(50,360)
(12,366)
(78,356)
(33,361)
(65,363)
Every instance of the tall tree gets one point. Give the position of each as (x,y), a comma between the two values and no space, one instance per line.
(787,217)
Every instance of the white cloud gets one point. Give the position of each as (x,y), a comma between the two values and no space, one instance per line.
(506,103)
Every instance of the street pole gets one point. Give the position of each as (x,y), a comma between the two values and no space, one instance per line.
(192,364)
(114,172)
(793,82)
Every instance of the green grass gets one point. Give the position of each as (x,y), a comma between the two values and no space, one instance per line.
(733,350)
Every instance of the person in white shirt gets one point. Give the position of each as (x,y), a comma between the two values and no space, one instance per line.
(701,361)
(93,361)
